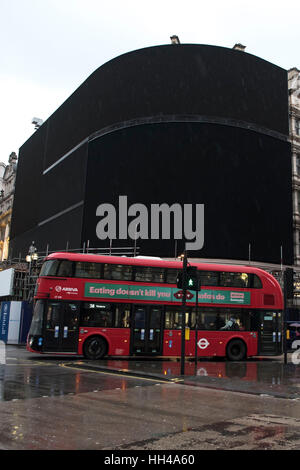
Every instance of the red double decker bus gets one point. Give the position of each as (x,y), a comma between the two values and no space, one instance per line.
(96,305)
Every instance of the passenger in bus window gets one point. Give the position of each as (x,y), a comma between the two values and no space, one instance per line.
(231,325)
(125,319)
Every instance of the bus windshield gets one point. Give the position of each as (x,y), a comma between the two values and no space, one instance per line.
(37,319)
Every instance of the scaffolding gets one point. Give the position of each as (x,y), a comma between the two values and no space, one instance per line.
(26,273)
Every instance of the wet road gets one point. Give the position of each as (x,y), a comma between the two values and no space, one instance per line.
(51,378)
(48,403)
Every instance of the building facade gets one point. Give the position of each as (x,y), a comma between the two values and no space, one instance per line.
(7,187)
(294,111)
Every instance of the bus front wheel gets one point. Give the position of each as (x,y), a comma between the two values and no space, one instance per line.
(236,350)
(95,348)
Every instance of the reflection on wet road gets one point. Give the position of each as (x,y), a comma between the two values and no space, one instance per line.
(31,376)
(258,376)
(35,379)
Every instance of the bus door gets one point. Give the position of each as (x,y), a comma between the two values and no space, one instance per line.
(269,333)
(146,333)
(61,327)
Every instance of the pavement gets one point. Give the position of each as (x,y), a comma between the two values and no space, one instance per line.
(265,376)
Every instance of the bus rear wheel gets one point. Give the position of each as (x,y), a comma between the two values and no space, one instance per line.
(95,348)
(236,350)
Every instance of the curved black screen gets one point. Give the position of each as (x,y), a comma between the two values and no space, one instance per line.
(243,179)
(186,124)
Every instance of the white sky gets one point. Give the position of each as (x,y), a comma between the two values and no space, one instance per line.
(49,47)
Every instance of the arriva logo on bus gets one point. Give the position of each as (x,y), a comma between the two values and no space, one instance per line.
(146,223)
(68,290)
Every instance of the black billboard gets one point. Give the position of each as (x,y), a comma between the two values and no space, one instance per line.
(185,124)
(243,179)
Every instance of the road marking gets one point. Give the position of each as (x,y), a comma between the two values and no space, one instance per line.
(116,374)
(28,364)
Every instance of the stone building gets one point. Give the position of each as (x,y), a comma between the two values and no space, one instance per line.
(7,186)
(294,105)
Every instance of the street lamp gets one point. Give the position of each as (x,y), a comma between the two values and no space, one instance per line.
(32,254)
(33,257)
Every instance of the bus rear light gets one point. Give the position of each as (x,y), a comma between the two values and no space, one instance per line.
(269,299)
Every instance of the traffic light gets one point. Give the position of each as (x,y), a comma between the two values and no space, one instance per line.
(192,279)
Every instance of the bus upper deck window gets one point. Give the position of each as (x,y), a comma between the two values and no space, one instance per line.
(209,278)
(232,279)
(65,269)
(88,270)
(257,284)
(49,267)
(172,276)
(149,274)
(121,272)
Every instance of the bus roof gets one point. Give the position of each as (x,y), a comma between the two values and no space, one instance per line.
(152,262)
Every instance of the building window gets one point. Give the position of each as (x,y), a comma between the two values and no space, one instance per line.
(297,126)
